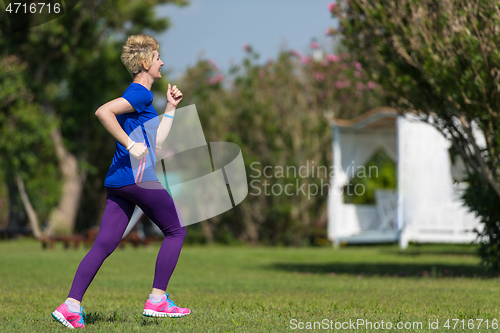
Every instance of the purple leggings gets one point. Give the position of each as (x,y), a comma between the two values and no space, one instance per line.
(158,205)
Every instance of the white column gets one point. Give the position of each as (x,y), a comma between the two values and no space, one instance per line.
(335,195)
(400,223)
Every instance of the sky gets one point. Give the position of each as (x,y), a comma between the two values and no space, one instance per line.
(218,29)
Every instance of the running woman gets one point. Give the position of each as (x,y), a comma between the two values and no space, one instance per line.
(128,186)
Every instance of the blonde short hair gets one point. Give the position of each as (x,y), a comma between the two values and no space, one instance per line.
(137,49)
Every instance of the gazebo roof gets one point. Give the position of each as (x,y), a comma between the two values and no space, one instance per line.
(378,118)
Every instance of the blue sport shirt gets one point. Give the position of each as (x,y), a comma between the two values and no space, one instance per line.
(141,126)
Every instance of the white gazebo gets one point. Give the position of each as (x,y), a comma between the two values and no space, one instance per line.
(426,206)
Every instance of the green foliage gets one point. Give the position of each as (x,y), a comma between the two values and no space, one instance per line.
(482,199)
(378,173)
(4,202)
(26,148)
(440,58)
(195,235)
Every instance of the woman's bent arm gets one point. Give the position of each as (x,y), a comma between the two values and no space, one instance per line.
(107,116)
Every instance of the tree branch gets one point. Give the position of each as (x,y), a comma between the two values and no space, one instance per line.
(30,211)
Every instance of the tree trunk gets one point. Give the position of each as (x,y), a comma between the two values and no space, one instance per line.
(251,225)
(62,218)
(208,231)
(32,216)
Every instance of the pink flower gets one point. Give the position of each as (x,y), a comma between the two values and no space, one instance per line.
(331,6)
(295,53)
(305,60)
(370,85)
(319,77)
(359,85)
(215,79)
(330,32)
(247,48)
(332,57)
(262,73)
(357,74)
(358,66)
(314,45)
(325,62)
(342,84)
(213,63)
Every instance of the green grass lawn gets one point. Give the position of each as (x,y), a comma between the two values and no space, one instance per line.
(246,289)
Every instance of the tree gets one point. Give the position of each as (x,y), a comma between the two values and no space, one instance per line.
(68,67)
(440,58)
(20,153)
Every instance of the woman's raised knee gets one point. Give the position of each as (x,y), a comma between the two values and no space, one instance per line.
(179,233)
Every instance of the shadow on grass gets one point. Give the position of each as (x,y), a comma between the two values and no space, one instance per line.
(386,269)
(148,321)
(435,250)
(96,318)
(424,249)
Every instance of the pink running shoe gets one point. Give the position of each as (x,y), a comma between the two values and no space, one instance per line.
(164,308)
(69,318)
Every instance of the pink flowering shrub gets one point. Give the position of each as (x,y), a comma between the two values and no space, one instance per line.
(214,64)
(332,57)
(341,83)
(275,111)
(296,53)
(319,77)
(330,31)
(331,7)
(216,79)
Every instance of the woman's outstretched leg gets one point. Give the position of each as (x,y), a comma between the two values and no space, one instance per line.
(114,221)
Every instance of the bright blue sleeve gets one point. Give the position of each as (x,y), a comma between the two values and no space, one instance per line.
(138,98)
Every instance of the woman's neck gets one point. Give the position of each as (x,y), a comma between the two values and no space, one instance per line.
(144,79)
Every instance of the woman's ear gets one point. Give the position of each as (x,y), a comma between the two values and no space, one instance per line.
(144,65)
